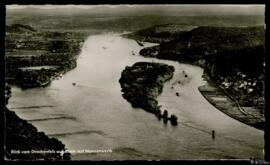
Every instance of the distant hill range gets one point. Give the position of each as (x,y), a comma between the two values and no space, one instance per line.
(210,40)
(17,28)
(206,39)
(122,19)
(226,47)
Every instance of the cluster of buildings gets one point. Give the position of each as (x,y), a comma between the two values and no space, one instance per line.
(246,90)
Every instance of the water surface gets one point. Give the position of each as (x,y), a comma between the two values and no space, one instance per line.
(92,115)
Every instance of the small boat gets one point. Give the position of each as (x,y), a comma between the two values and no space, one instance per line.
(165,115)
(158,114)
(173,119)
(213,134)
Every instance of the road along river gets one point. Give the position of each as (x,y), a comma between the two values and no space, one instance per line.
(92,115)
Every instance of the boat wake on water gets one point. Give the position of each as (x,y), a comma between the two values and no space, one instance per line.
(78,133)
(52,118)
(135,152)
(31,107)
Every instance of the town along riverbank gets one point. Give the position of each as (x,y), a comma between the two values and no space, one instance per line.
(24,142)
(143,82)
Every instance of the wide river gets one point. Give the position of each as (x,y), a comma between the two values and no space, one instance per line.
(92,115)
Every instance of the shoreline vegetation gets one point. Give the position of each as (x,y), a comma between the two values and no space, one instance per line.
(142,82)
(220,52)
(24,142)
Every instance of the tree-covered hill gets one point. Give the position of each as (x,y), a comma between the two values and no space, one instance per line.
(17,28)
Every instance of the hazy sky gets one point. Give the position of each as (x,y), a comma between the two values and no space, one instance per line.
(48,6)
(241,9)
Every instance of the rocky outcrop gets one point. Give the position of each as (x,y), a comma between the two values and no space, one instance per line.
(143,82)
(24,142)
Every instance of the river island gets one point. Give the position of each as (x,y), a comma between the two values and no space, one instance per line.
(143,82)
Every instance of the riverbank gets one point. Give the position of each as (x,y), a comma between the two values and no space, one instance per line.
(143,82)
(225,103)
(24,142)
(40,76)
